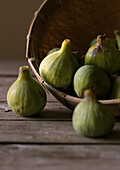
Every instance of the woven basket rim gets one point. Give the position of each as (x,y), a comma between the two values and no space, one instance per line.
(28,37)
(30,58)
(65,95)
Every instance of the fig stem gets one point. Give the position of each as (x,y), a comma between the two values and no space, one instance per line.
(100,38)
(66,45)
(88,94)
(24,72)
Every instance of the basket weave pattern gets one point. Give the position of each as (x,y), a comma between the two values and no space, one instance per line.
(80,21)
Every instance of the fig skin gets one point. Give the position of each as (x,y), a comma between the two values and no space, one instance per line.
(58,68)
(117,35)
(93,42)
(53,50)
(115,92)
(104,54)
(112,41)
(91,118)
(94,78)
(80,59)
(26,97)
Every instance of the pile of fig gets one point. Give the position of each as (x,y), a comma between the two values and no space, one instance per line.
(68,71)
(94,76)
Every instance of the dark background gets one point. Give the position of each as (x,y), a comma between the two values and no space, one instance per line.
(15,19)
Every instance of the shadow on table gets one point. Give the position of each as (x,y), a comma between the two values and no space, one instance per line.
(49,114)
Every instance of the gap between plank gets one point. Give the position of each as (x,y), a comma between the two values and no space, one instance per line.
(57,144)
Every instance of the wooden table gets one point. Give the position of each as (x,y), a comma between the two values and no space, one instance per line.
(48,141)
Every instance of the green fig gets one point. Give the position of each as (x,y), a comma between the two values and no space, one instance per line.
(93,42)
(53,50)
(115,92)
(91,118)
(117,35)
(94,78)
(112,41)
(80,59)
(26,97)
(104,54)
(58,68)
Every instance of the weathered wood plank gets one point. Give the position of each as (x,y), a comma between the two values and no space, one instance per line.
(5,83)
(37,157)
(11,67)
(50,132)
(52,111)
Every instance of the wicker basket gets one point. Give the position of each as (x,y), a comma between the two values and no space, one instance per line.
(79,20)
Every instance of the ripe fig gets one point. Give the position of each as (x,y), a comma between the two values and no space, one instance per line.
(58,68)
(104,54)
(80,59)
(53,50)
(93,42)
(91,118)
(115,92)
(117,35)
(112,41)
(26,97)
(94,78)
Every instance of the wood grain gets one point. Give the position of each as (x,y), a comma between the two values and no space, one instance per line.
(48,141)
(52,111)
(29,157)
(60,132)
(10,67)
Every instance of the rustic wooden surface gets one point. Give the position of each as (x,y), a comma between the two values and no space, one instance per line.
(48,141)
